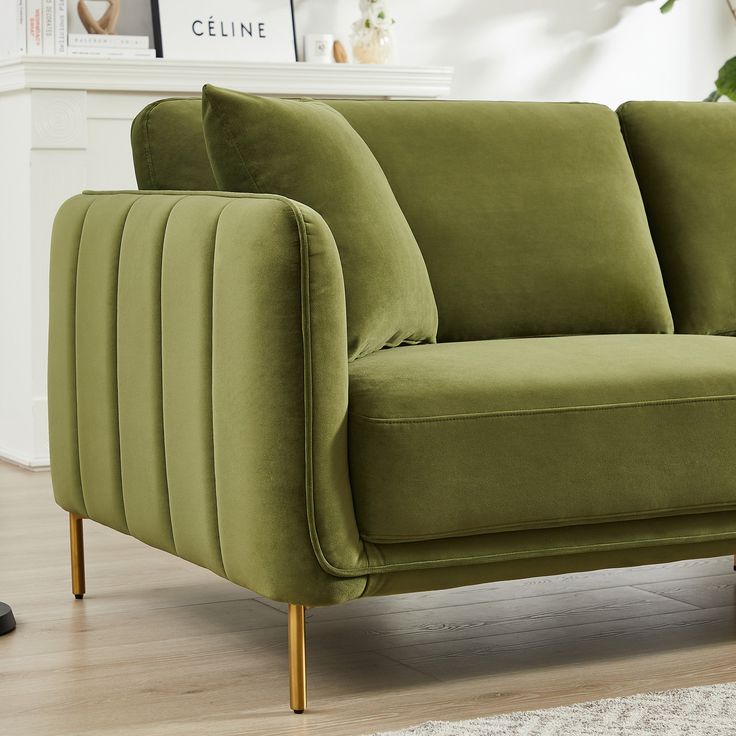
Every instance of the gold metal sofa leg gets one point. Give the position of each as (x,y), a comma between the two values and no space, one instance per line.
(297,658)
(76,541)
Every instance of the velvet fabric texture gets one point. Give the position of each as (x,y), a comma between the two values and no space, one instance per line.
(684,155)
(201,398)
(198,400)
(528,215)
(168,146)
(470,438)
(197,347)
(307,151)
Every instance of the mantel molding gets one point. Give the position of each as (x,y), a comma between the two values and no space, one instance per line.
(187,77)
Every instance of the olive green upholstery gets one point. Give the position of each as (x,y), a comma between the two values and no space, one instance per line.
(169,148)
(477,437)
(202,396)
(465,175)
(684,154)
(310,153)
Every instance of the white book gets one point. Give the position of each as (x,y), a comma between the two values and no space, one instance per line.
(47,27)
(34,27)
(60,27)
(107,53)
(7,32)
(20,26)
(96,40)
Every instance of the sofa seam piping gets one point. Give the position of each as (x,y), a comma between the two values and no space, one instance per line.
(307,378)
(537,412)
(76,379)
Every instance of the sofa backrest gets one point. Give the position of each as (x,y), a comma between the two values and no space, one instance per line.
(684,155)
(168,147)
(528,215)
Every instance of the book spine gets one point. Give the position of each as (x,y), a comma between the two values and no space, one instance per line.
(106,53)
(34,32)
(60,34)
(94,40)
(47,26)
(20,20)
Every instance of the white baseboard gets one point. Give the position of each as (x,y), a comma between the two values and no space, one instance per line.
(24,461)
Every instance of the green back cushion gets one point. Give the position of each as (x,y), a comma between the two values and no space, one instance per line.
(307,151)
(684,155)
(528,215)
(168,147)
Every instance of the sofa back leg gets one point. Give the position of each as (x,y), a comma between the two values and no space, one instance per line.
(76,541)
(297,658)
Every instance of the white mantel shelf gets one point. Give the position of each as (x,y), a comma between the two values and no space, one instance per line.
(187,77)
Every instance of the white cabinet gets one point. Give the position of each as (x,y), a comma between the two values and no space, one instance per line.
(65,127)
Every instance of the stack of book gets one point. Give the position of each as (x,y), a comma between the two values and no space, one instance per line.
(60,28)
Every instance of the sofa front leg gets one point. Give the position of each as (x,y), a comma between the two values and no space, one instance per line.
(76,542)
(297,658)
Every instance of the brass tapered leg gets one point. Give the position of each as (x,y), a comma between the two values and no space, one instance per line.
(297,658)
(76,541)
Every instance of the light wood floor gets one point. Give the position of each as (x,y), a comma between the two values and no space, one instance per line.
(160,647)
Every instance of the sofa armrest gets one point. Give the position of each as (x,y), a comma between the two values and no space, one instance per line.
(198,385)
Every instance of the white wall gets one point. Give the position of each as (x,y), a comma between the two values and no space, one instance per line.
(604,51)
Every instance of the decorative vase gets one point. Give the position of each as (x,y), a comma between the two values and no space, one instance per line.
(372,38)
(375,48)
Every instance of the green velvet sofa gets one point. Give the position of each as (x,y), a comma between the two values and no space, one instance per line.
(356,348)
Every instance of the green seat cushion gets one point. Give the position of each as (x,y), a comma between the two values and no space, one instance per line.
(528,215)
(684,155)
(168,147)
(469,438)
(307,151)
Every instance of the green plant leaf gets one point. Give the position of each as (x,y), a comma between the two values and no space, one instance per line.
(714,96)
(667,6)
(726,82)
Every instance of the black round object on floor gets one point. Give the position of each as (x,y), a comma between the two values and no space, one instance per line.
(7,620)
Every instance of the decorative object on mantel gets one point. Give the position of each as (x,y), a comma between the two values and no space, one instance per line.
(339,53)
(318,48)
(372,33)
(225,30)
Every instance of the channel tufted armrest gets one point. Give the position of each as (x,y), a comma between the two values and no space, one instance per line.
(198,384)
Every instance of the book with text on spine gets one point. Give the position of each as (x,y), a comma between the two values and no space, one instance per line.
(34,27)
(20,26)
(97,40)
(60,27)
(107,53)
(12,28)
(48,42)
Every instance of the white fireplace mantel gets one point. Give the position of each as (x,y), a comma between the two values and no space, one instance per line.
(187,77)
(65,127)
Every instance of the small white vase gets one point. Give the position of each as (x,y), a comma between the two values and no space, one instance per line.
(374,47)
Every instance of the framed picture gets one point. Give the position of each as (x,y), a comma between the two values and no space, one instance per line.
(225,30)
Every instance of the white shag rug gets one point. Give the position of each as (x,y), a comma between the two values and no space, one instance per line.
(696,711)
